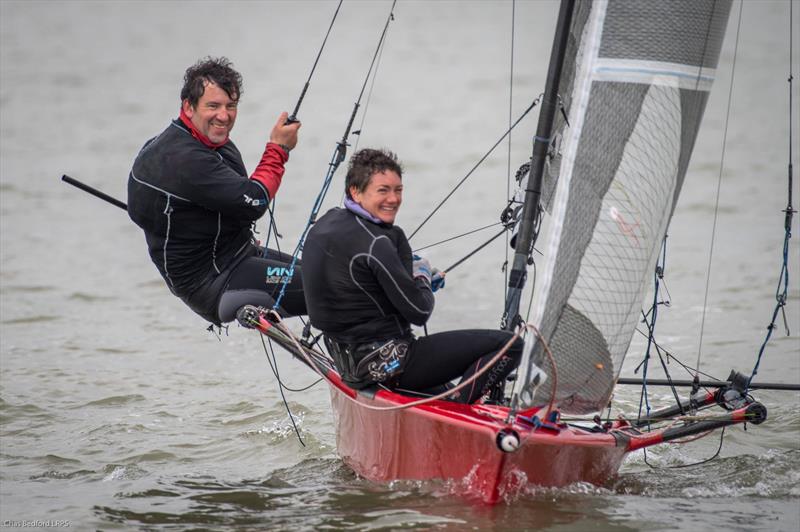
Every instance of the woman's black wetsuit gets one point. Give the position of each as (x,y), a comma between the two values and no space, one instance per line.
(357,278)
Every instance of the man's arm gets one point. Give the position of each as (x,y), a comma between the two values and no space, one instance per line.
(205,179)
(282,139)
(214,185)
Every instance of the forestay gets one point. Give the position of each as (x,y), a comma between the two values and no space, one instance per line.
(635,83)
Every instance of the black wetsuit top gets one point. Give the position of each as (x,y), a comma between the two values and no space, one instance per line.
(196,206)
(357,280)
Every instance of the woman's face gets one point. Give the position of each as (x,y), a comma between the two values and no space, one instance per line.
(382,197)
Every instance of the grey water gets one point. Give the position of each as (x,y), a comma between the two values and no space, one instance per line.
(118,410)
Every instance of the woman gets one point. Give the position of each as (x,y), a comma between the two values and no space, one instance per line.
(364,289)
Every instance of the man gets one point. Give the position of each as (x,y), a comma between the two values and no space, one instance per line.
(364,289)
(190,193)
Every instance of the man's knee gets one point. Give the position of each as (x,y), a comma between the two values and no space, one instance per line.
(232,300)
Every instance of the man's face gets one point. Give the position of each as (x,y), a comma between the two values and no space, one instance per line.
(214,114)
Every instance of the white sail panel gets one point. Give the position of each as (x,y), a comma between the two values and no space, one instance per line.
(638,88)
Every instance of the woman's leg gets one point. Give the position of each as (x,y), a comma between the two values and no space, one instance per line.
(441,357)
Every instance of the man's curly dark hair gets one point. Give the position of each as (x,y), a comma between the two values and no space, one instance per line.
(218,71)
(367,162)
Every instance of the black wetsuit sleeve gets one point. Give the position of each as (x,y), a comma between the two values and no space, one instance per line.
(205,179)
(411,297)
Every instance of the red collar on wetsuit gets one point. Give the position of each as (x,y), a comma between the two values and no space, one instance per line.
(199,136)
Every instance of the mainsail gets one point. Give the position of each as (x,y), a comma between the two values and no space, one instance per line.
(635,84)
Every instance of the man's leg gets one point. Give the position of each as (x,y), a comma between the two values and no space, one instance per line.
(258,281)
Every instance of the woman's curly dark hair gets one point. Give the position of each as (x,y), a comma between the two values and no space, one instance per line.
(218,71)
(364,163)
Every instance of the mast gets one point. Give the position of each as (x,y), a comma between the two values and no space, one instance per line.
(541,143)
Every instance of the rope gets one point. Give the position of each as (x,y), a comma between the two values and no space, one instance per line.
(553,366)
(701,462)
(293,116)
(336,159)
(669,377)
(280,389)
(287,336)
(651,326)
(690,370)
(783,278)
(510,116)
(274,369)
(279,324)
(450,268)
(719,186)
(272,228)
(458,236)
(461,182)
(512,412)
(364,114)
(369,98)
(375,56)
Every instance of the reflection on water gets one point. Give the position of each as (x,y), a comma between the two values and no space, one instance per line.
(118,409)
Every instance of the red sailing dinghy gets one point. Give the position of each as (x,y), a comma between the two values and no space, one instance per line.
(492,452)
(634,101)
(489,457)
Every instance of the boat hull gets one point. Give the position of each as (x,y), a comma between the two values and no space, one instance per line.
(450,441)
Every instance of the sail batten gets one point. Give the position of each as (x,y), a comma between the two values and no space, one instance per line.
(638,79)
(654,73)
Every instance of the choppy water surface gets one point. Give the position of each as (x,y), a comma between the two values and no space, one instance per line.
(120,411)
